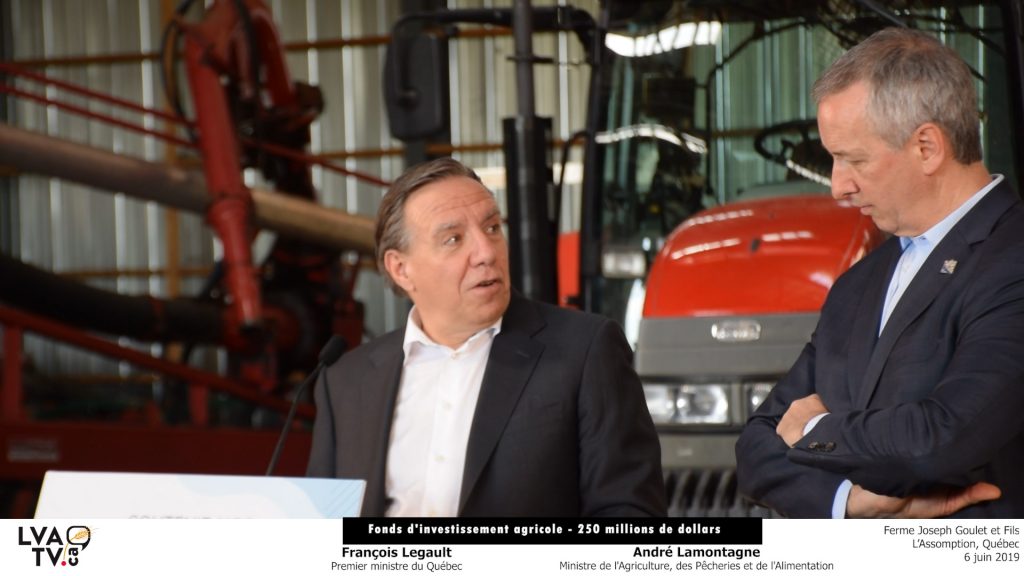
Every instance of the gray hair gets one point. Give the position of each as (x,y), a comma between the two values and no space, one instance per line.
(913,79)
(391,233)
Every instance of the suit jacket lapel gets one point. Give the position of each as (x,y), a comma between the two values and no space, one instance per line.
(864,334)
(974,227)
(921,292)
(378,391)
(514,355)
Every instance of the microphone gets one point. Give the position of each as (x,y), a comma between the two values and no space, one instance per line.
(329,354)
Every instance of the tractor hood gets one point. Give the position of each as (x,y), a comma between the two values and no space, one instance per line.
(778,255)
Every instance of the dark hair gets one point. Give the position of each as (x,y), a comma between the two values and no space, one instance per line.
(913,79)
(391,233)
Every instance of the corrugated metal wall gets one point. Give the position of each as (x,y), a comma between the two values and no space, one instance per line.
(767,84)
(70,228)
(66,227)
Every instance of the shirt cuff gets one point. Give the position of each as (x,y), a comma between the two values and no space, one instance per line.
(813,422)
(839,502)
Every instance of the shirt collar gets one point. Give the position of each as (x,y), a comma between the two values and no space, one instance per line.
(414,335)
(936,233)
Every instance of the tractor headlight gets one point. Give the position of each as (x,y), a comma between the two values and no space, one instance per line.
(661,402)
(756,394)
(688,403)
(702,404)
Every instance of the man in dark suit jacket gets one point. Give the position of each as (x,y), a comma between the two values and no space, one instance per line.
(548,419)
(909,399)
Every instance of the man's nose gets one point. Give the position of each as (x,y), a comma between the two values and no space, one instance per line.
(842,184)
(484,248)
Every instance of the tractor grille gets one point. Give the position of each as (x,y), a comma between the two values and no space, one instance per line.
(698,493)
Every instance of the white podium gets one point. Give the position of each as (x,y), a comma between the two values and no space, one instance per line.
(137,495)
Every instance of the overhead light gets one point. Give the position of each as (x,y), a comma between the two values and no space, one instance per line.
(665,40)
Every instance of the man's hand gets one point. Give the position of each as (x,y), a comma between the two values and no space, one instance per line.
(943,502)
(799,413)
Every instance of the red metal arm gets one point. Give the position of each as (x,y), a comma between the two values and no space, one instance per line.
(208,54)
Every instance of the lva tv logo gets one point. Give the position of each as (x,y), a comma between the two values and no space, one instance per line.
(56,546)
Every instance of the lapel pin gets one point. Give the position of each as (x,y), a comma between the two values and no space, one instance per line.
(948,267)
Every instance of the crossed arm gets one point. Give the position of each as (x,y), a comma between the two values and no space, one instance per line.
(915,458)
(863,503)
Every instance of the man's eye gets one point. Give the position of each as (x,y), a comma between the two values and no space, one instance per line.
(451,240)
(493,228)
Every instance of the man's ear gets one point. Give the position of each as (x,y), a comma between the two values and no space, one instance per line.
(932,147)
(396,264)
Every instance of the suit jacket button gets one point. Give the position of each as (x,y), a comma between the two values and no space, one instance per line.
(814,446)
(829,446)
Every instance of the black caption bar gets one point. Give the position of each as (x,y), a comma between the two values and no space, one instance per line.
(384,531)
